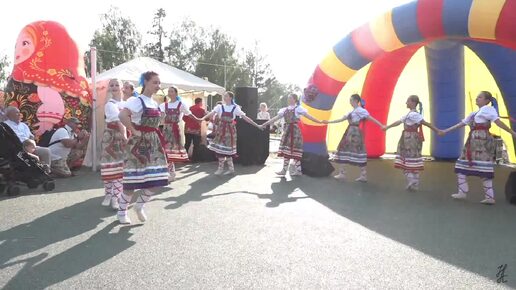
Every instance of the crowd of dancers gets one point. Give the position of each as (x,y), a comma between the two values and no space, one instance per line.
(138,155)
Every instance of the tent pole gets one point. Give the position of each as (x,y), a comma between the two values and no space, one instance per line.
(93,62)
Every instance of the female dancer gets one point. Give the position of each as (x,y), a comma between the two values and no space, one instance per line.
(477,158)
(351,149)
(408,156)
(225,140)
(113,145)
(174,112)
(291,144)
(145,165)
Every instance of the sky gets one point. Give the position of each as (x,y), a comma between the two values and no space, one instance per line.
(294,35)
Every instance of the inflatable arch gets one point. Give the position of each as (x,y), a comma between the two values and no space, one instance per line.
(443,28)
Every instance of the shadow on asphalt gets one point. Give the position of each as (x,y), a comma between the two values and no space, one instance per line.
(474,237)
(38,273)
(84,180)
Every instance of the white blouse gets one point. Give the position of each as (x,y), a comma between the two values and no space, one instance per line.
(237,112)
(300,111)
(112,109)
(357,115)
(484,115)
(135,106)
(184,110)
(412,118)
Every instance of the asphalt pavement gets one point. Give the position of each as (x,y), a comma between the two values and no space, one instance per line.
(258,231)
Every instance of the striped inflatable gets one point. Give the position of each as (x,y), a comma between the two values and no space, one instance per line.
(409,26)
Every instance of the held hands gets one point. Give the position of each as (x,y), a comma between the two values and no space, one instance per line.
(442,132)
(136,133)
(325,122)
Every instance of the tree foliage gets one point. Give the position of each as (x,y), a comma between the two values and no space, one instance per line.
(4,73)
(117,41)
(156,49)
(206,52)
(187,43)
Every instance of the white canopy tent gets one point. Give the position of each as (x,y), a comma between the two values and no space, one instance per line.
(169,75)
(131,71)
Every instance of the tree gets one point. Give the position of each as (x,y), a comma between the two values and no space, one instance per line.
(219,62)
(4,73)
(258,69)
(275,93)
(117,41)
(187,45)
(156,50)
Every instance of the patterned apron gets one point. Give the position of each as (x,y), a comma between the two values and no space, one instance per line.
(145,163)
(291,144)
(408,156)
(176,152)
(112,156)
(478,155)
(351,149)
(224,142)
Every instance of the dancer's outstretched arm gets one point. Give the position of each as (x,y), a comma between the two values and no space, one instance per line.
(370,118)
(311,118)
(505,127)
(435,129)
(208,116)
(455,127)
(250,121)
(397,123)
(276,118)
(344,118)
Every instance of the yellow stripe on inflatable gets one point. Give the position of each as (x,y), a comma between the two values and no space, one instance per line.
(318,114)
(334,68)
(483,18)
(384,33)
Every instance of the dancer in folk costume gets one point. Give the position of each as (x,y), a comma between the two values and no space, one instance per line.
(408,156)
(113,145)
(478,155)
(225,140)
(174,112)
(291,144)
(145,165)
(351,149)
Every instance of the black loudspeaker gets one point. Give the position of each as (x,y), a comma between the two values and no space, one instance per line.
(510,188)
(252,143)
(316,165)
(247,97)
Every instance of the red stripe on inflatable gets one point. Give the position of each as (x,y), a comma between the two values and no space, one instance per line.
(326,84)
(430,18)
(379,86)
(506,26)
(365,43)
(313,134)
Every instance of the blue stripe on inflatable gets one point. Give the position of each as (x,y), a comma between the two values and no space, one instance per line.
(404,20)
(316,148)
(456,17)
(445,60)
(348,54)
(322,102)
(501,62)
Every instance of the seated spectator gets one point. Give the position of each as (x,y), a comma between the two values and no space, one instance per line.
(263,114)
(23,132)
(61,150)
